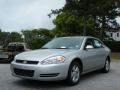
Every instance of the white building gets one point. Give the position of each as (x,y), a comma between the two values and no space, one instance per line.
(114,35)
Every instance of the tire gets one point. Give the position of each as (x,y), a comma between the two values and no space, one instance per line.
(106,68)
(11,58)
(74,74)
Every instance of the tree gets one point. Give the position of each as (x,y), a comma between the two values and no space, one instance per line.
(7,37)
(4,38)
(15,37)
(36,38)
(37,43)
(69,24)
(103,13)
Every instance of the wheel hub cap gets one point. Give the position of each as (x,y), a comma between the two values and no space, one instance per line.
(75,73)
(107,65)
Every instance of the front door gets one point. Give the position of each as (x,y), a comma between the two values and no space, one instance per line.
(90,57)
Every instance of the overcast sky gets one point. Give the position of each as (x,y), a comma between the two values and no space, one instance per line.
(16,15)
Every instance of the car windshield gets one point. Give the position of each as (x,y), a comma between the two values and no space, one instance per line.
(64,43)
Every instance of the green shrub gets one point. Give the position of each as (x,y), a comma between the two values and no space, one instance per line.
(37,44)
(113,45)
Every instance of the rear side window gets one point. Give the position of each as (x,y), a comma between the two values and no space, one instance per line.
(97,44)
(20,48)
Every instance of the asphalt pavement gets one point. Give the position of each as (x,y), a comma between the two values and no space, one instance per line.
(92,81)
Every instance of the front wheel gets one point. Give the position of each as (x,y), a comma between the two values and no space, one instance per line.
(10,58)
(74,73)
(106,68)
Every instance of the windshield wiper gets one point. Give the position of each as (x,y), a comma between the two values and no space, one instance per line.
(54,48)
(44,48)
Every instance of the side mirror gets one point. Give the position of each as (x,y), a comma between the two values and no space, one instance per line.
(89,47)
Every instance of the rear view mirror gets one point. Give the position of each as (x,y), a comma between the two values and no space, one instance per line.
(89,47)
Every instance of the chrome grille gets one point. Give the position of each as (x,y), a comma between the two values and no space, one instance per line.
(27,62)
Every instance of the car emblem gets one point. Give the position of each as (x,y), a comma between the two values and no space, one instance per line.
(24,62)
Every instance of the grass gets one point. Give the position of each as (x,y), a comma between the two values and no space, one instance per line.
(116,56)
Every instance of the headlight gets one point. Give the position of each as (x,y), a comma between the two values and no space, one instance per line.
(53,60)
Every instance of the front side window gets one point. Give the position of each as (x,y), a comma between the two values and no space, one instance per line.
(89,42)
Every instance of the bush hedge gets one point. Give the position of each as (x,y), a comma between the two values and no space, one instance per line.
(113,45)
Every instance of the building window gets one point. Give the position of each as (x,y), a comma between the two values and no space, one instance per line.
(111,34)
(117,34)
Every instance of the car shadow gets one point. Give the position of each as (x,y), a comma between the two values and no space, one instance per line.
(40,84)
(91,75)
(55,84)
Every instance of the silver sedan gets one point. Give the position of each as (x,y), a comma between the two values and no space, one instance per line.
(64,58)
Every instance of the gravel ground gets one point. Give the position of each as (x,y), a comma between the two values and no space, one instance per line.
(92,81)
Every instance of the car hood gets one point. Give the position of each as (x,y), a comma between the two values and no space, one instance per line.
(38,55)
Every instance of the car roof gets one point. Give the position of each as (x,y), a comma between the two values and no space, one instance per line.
(77,37)
(17,43)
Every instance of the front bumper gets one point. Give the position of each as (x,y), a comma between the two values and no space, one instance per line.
(42,72)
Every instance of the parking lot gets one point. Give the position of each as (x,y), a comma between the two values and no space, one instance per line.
(92,81)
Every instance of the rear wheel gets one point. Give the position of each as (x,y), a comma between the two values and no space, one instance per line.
(106,68)
(74,73)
